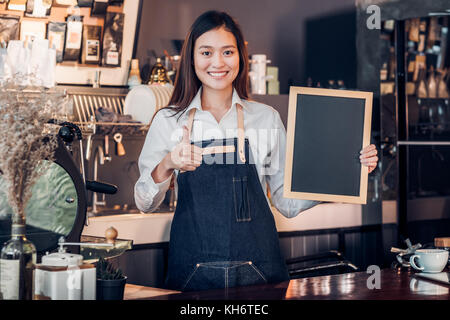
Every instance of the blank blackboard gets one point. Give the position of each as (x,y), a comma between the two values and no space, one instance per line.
(326,131)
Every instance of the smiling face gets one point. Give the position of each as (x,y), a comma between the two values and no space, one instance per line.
(216,59)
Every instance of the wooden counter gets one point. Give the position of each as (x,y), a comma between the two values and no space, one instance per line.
(134,292)
(394,285)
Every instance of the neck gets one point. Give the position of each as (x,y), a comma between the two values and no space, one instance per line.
(216,99)
(18,230)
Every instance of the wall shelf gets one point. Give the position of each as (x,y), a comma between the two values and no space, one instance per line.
(69,72)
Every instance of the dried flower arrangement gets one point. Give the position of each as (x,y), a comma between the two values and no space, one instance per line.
(24,137)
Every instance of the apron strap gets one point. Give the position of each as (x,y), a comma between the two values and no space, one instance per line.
(191,121)
(241,132)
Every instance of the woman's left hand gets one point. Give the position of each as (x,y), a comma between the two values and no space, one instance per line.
(369,157)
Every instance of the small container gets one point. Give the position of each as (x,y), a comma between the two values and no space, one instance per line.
(64,276)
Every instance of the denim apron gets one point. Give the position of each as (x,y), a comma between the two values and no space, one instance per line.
(223,232)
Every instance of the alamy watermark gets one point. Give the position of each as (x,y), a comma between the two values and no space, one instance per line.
(374,280)
(264,146)
(374,20)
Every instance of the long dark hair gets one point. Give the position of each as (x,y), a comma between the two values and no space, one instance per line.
(187,83)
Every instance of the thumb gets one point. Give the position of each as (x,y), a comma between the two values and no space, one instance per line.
(185,135)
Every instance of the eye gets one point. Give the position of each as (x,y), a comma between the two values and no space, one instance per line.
(205,53)
(228,52)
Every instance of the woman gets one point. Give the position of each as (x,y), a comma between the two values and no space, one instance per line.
(223,232)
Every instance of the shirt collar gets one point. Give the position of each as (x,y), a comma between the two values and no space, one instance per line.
(197,101)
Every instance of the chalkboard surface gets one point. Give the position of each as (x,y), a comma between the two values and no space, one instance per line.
(327,129)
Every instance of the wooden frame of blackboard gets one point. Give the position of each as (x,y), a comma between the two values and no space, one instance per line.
(359,197)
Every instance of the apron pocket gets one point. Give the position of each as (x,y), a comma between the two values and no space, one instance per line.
(245,274)
(241,201)
(223,274)
(207,275)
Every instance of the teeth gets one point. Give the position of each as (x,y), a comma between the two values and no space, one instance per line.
(217,74)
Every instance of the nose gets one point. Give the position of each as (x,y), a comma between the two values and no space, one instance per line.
(218,61)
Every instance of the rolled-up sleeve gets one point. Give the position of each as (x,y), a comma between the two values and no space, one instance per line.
(290,208)
(148,195)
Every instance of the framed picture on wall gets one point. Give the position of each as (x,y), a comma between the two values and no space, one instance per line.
(326,131)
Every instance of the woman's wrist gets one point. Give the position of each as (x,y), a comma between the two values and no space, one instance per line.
(167,163)
(163,170)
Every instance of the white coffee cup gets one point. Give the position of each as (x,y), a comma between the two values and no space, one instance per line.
(429,260)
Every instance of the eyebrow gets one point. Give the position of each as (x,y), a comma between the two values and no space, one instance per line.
(224,47)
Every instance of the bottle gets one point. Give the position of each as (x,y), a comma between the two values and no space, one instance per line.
(330,84)
(384,72)
(421,90)
(96,80)
(442,85)
(17,262)
(134,78)
(432,85)
(145,72)
(112,56)
(422,35)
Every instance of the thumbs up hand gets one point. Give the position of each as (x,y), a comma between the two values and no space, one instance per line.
(185,157)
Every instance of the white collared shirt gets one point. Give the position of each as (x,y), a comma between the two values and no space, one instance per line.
(263,128)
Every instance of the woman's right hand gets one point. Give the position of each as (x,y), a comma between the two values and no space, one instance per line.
(185,157)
